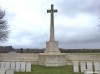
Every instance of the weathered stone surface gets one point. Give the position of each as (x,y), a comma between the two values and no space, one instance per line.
(96,66)
(76,67)
(52,59)
(2,71)
(52,47)
(9,71)
(83,66)
(52,11)
(89,66)
(7,65)
(2,64)
(23,66)
(88,72)
(13,66)
(18,67)
(28,66)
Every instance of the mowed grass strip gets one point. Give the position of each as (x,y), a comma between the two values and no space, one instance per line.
(36,69)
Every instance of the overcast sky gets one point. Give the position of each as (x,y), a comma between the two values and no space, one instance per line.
(76,23)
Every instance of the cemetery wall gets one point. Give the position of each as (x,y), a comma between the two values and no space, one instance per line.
(82,57)
(33,57)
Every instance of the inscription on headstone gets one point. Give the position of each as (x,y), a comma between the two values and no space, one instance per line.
(9,71)
(2,71)
(2,64)
(82,66)
(7,65)
(17,66)
(96,66)
(13,65)
(28,66)
(89,66)
(23,66)
(76,67)
(88,72)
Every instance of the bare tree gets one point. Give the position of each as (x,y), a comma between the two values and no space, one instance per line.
(3,27)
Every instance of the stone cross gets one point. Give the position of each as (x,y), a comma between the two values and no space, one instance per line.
(52,38)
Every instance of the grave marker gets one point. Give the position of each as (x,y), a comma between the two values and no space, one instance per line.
(9,71)
(2,64)
(23,66)
(82,66)
(76,67)
(96,66)
(2,71)
(13,65)
(17,66)
(88,72)
(89,66)
(28,66)
(7,65)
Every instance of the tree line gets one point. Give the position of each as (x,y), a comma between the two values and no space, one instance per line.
(61,50)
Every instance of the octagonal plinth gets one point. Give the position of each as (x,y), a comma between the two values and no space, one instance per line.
(52,47)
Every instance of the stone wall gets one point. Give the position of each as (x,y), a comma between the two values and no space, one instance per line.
(33,57)
(19,57)
(82,57)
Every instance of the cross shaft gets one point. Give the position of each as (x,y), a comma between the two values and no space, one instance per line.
(52,11)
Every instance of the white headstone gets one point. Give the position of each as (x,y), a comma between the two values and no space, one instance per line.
(13,65)
(28,66)
(7,65)
(23,65)
(2,64)
(76,67)
(88,72)
(9,71)
(2,71)
(82,66)
(89,66)
(17,66)
(96,66)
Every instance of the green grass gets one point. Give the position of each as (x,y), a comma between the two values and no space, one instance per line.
(36,69)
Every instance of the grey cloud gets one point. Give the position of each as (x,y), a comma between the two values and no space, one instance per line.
(72,7)
(67,36)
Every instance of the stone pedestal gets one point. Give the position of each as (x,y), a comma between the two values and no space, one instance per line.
(52,59)
(52,47)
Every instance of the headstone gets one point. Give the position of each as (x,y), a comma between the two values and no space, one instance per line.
(17,66)
(7,65)
(23,66)
(76,67)
(2,64)
(9,71)
(13,65)
(2,71)
(88,72)
(28,66)
(89,66)
(82,66)
(96,66)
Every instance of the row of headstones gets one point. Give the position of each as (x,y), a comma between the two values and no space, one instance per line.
(87,67)
(6,71)
(16,66)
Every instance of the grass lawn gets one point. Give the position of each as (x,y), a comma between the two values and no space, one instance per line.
(36,69)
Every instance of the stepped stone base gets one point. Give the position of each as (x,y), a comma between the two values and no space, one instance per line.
(52,59)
